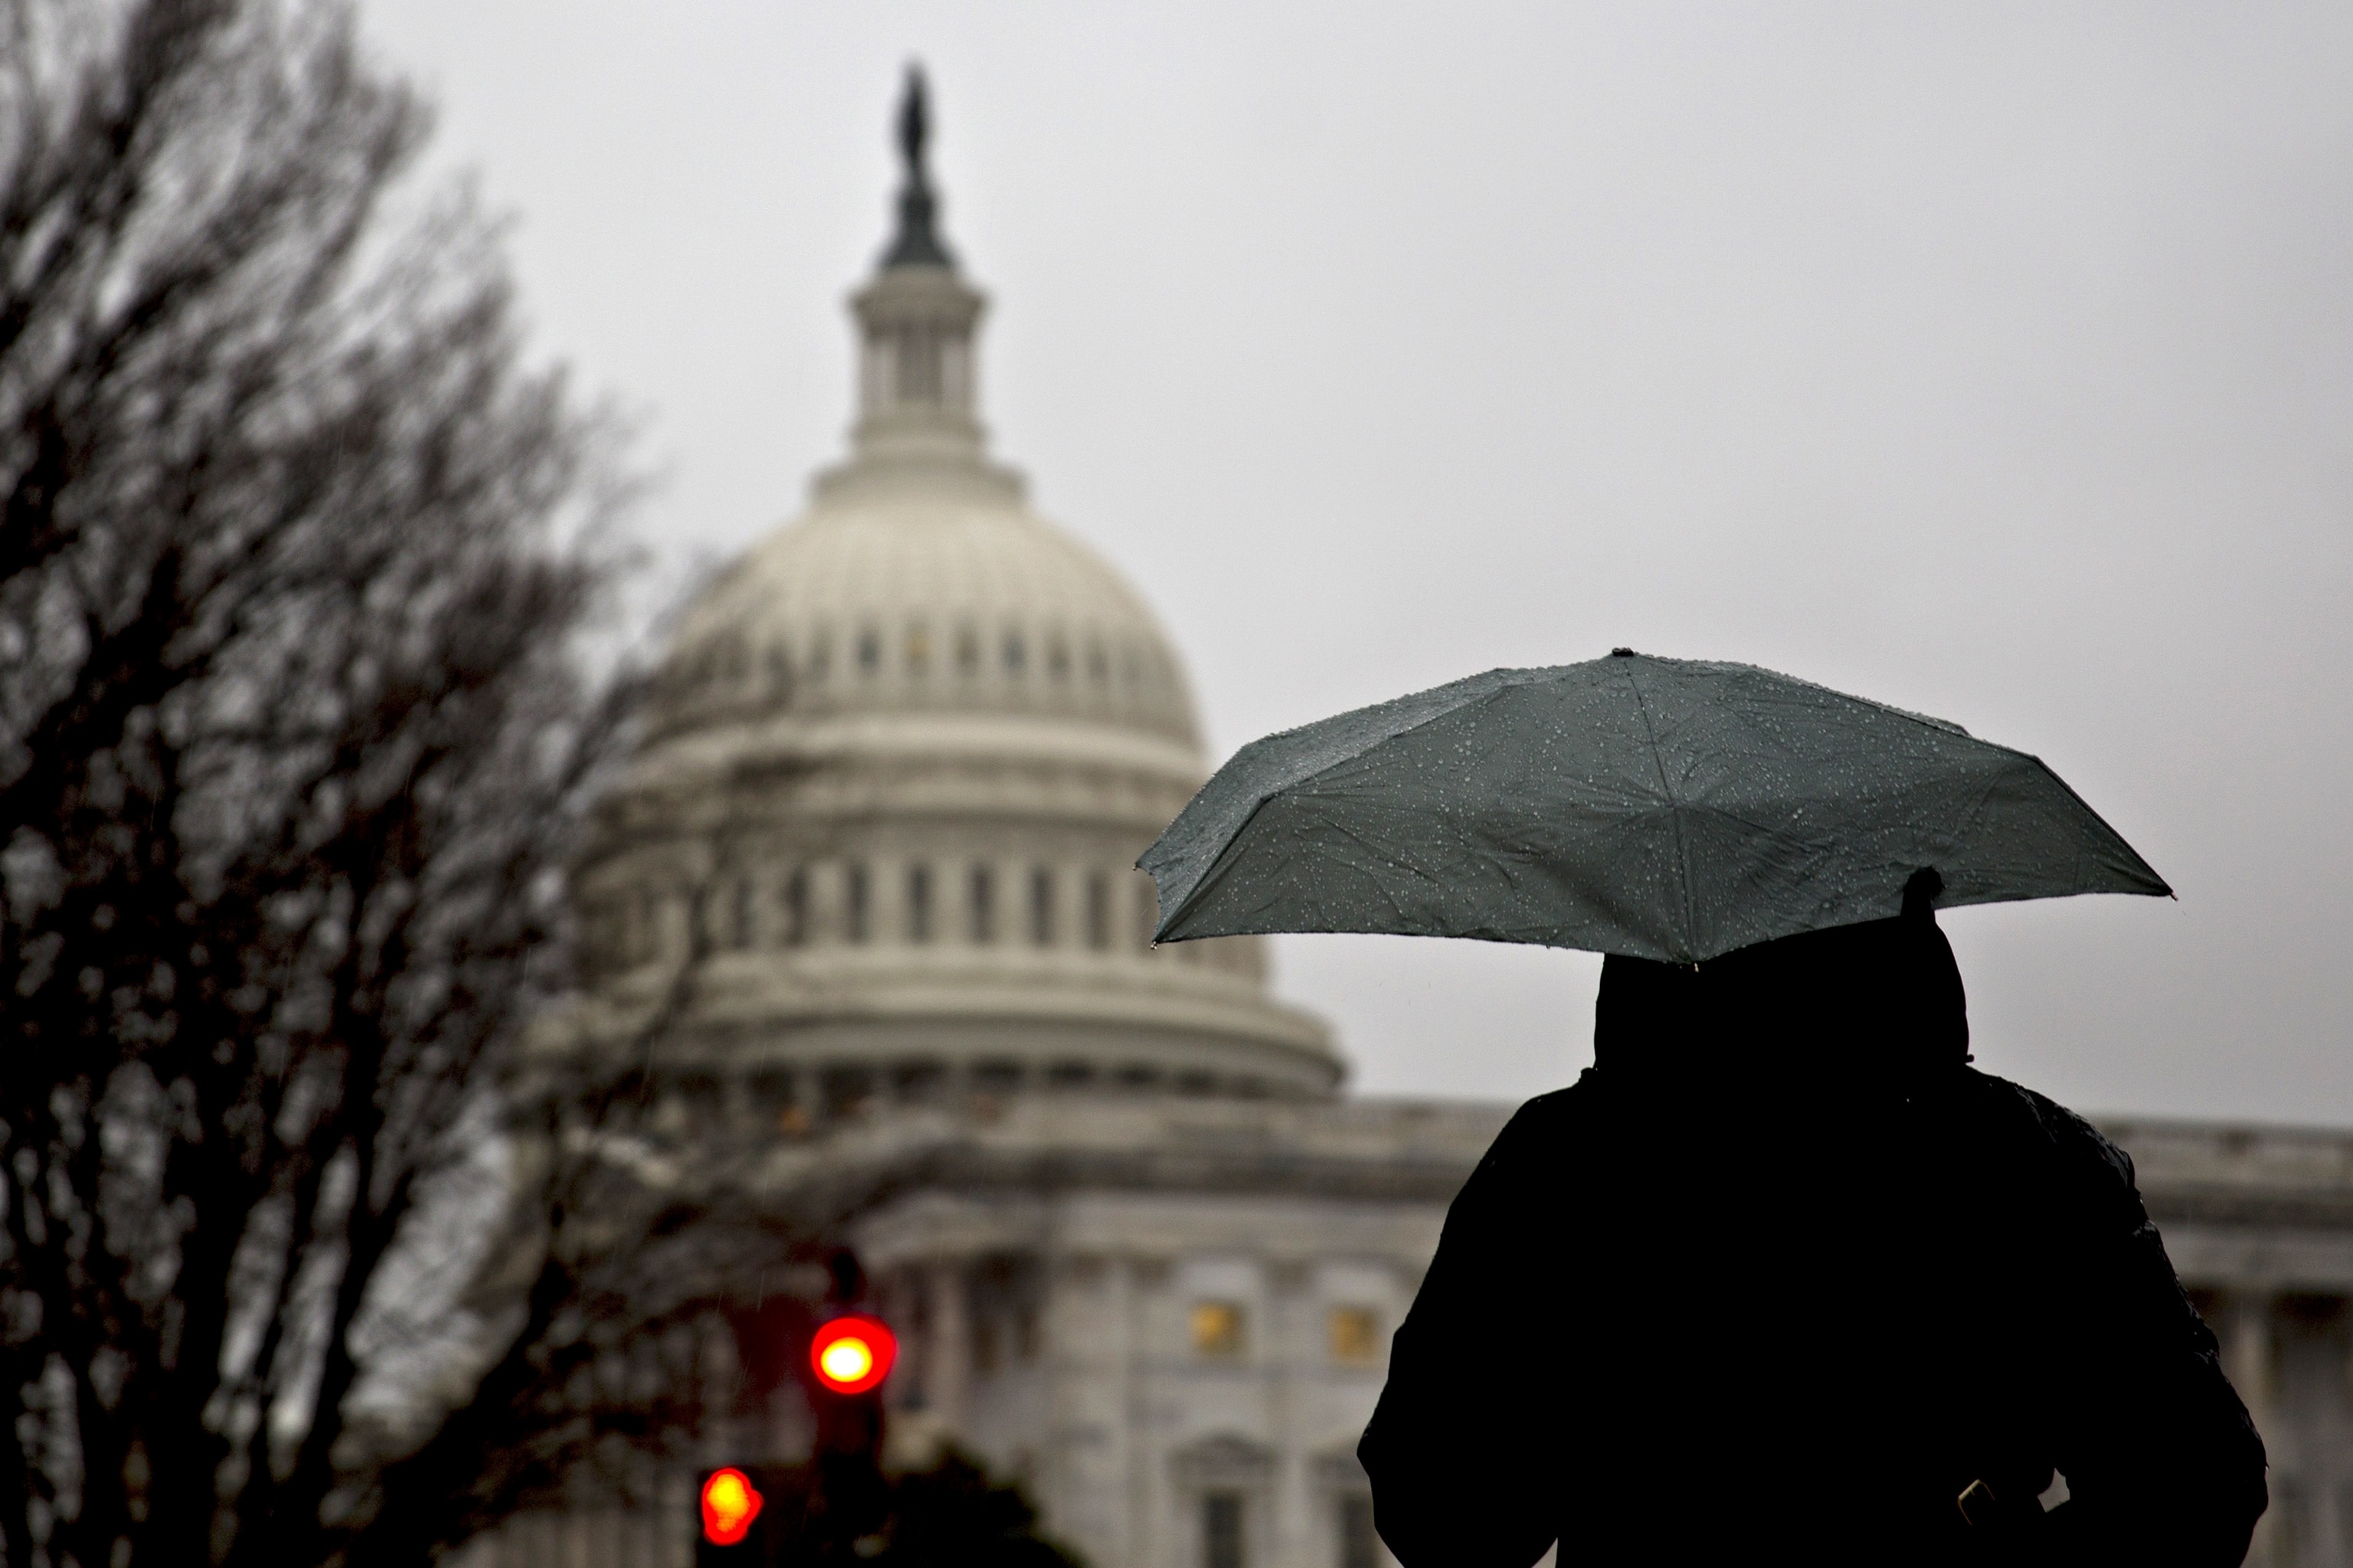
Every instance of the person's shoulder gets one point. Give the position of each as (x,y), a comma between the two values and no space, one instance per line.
(2072,1143)
(1551,1123)
(1559,1108)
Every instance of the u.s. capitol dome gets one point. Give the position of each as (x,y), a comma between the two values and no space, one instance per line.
(900,761)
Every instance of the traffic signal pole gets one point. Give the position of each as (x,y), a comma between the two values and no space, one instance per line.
(753,1515)
(850,1354)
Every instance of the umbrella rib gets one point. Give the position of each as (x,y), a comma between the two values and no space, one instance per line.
(1211,875)
(1674,811)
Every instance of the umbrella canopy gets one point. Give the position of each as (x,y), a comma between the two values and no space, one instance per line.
(1666,808)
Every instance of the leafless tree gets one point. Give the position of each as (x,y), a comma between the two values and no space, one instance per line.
(293,742)
(613,1295)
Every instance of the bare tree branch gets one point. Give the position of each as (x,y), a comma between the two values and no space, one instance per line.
(293,746)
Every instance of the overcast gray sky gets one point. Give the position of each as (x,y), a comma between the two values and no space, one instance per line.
(1992,360)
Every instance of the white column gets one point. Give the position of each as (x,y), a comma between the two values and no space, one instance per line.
(1121,1352)
(1148,1543)
(2247,1352)
(1291,1344)
(2249,1360)
(947,1374)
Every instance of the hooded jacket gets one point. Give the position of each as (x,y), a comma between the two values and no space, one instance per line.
(1779,1278)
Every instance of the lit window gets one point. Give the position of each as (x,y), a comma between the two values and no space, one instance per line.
(919,651)
(1217,1328)
(1356,1338)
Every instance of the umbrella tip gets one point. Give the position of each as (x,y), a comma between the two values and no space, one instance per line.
(1622,652)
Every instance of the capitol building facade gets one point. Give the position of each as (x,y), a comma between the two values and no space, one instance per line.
(1143,1251)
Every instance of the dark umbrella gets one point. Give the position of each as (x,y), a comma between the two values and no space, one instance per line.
(1665,809)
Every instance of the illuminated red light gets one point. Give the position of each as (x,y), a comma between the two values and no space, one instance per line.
(730,1503)
(851,1354)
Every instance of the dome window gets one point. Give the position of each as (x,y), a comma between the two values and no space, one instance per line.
(780,669)
(919,651)
(1041,907)
(870,651)
(741,921)
(1016,655)
(1098,910)
(919,379)
(984,906)
(600,932)
(773,1089)
(856,901)
(918,1082)
(796,902)
(699,1092)
(1098,663)
(844,1089)
(1058,659)
(820,657)
(919,904)
(967,654)
(649,944)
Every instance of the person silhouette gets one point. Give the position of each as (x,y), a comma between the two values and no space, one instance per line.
(1782,1277)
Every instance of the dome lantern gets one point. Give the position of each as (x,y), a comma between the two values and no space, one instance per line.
(918,393)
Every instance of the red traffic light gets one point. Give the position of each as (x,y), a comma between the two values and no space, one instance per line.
(852,1353)
(730,1503)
